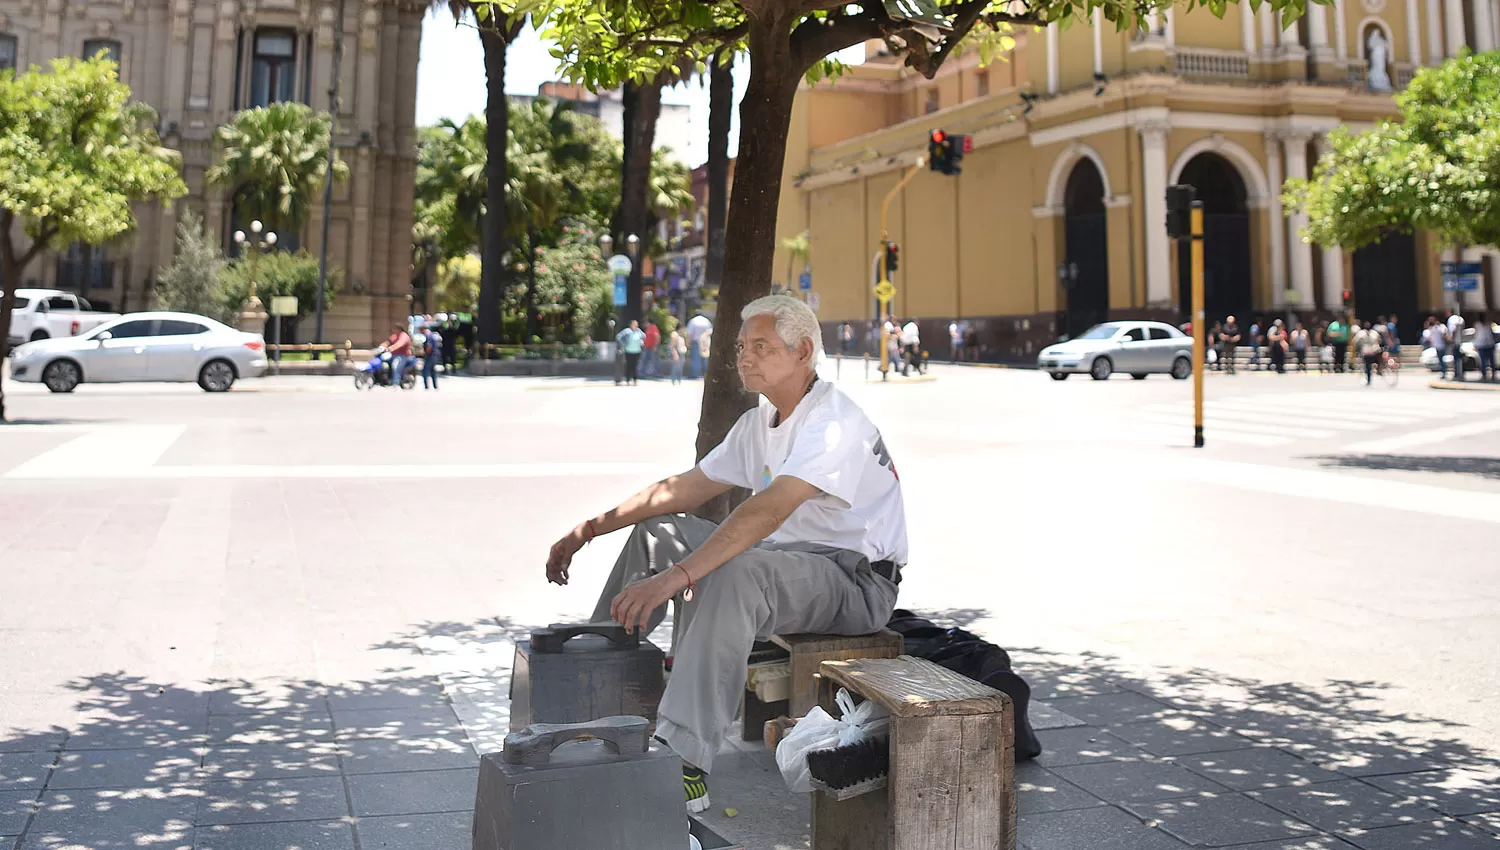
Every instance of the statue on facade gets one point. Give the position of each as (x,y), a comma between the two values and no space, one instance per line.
(1378,50)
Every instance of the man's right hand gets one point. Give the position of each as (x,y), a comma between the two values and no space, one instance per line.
(560,557)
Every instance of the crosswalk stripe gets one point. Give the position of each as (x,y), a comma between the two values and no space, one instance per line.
(1296,418)
(1422,438)
(1234,426)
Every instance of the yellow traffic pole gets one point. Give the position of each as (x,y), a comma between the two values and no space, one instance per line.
(884,290)
(1199,334)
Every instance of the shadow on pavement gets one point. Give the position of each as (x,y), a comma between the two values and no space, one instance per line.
(1483,467)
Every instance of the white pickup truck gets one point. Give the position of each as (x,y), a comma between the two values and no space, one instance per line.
(47,313)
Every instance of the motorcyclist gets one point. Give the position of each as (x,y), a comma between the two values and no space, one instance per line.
(399,346)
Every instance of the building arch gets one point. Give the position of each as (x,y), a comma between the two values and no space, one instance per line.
(1249,168)
(1363,28)
(1062,169)
(1084,273)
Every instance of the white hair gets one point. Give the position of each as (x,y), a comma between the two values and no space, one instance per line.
(795,321)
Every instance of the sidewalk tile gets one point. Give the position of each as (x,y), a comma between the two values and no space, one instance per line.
(1343,805)
(447,831)
(1257,768)
(1138,781)
(269,728)
(1489,822)
(25,770)
(125,768)
(8,842)
(1044,791)
(34,742)
(1316,842)
(160,818)
(1456,791)
(397,723)
(1112,709)
(265,800)
(1081,745)
(423,792)
(129,735)
(404,694)
(1217,820)
(1180,735)
(1044,716)
(302,835)
(368,755)
(1105,828)
(1050,686)
(1433,835)
(15,807)
(272,761)
(249,700)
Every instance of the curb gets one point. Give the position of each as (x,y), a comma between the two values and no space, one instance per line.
(1476,386)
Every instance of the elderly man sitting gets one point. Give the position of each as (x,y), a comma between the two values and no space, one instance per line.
(817,548)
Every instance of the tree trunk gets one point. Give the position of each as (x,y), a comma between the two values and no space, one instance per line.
(10,280)
(642,107)
(493,36)
(750,246)
(531,322)
(720,109)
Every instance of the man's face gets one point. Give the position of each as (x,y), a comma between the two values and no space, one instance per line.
(763,359)
(634,325)
(1231,320)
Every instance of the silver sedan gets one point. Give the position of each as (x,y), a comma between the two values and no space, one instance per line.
(1135,348)
(145,347)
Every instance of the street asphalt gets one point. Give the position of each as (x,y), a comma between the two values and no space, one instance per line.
(282,617)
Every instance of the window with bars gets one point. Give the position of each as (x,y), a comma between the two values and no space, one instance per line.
(273,68)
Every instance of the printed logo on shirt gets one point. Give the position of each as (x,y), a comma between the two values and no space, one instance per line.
(765,477)
(884,456)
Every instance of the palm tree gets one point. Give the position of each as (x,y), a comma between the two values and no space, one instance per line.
(273,159)
(452,181)
(668,192)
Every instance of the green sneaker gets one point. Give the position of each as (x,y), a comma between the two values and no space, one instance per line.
(697,789)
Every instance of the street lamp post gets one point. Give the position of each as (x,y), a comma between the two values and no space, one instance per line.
(252,318)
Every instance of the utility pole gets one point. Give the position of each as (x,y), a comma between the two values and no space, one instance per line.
(333,126)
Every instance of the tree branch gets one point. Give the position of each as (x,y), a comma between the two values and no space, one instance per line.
(43,237)
(816,38)
(724,36)
(964,18)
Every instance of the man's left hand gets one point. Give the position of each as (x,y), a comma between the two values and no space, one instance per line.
(632,608)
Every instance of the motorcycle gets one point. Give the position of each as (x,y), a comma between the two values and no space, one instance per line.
(377,372)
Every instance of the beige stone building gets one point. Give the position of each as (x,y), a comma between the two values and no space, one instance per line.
(1057,219)
(197,62)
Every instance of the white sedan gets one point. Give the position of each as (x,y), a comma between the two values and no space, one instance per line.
(1137,348)
(177,347)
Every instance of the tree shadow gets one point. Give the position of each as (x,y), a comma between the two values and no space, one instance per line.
(1482,467)
(954,617)
(56,420)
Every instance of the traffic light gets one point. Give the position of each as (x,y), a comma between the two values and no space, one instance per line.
(945,153)
(1348,296)
(892,258)
(1180,199)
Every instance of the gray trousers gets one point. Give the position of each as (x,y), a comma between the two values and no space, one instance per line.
(769,589)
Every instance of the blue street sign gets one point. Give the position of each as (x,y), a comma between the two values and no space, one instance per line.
(1461,283)
(1462,269)
(620,290)
(805,281)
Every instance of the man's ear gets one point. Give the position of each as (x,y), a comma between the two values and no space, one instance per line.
(805,350)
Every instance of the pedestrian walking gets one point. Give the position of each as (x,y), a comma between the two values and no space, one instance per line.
(1276,342)
(1337,336)
(678,346)
(1456,342)
(432,357)
(1393,336)
(911,343)
(1367,343)
(1484,346)
(696,327)
(1435,337)
(704,347)
(649,351)
(846,339)
(955,341)
(1230,334)
(632,340)
(1255,340)
(1299,347)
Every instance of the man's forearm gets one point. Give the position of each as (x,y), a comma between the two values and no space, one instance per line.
(752,522)
(667,496)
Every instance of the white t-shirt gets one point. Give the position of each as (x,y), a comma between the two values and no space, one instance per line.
(909,334)
(829,443)
(1456,328)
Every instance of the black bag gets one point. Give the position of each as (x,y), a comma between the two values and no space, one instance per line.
(969,655)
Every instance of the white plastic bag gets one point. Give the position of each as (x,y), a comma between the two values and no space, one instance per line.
(821,731)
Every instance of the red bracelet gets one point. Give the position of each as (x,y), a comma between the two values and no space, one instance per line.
(592,533)
(687,595)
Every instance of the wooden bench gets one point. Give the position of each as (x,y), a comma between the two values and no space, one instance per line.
(951,784)
(807,652)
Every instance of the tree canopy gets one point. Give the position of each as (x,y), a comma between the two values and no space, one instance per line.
(273,160)
(1436,169)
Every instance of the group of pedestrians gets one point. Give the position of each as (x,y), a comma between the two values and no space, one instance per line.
(645,350)
(1273,346)
(1446,337)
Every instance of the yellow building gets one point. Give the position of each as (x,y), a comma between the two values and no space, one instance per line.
(1057,221)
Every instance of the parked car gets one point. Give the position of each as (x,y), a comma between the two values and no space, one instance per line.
(50,313)
(1136,348)
(1471,359)
(177,347)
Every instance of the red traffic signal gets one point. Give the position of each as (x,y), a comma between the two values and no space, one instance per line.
(938,136)
(892,258)
(1348,296)
(945,153)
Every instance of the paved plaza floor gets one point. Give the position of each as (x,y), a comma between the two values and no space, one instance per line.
(285,617)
